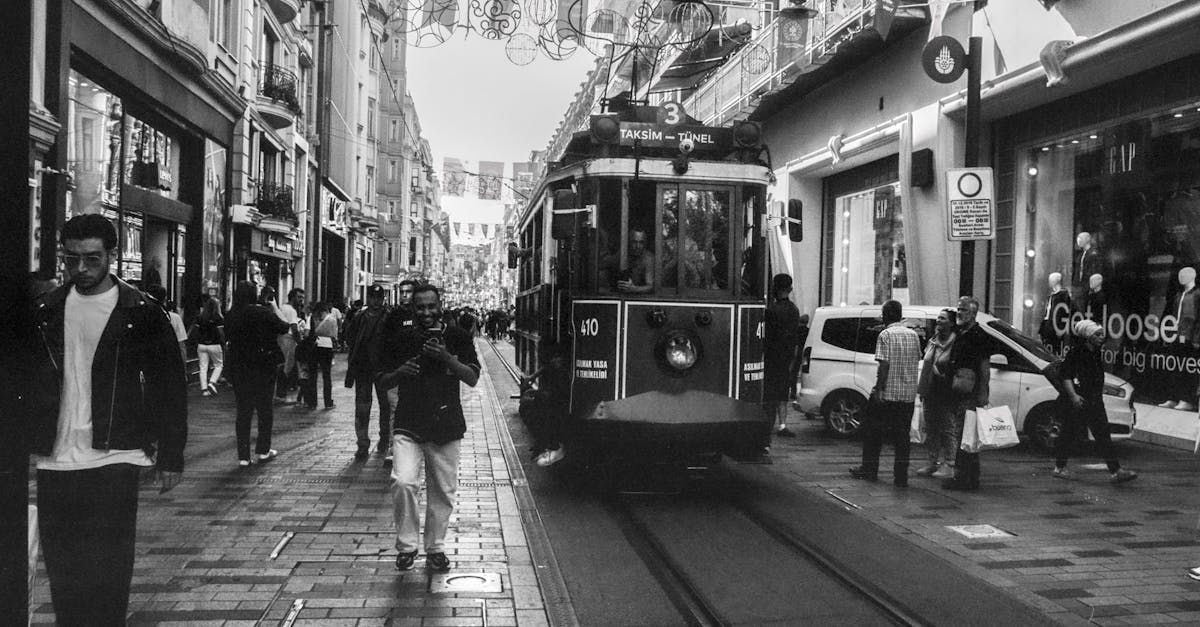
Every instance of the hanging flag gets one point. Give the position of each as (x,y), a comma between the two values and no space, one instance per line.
(453,178)
(490,174)
(937,14)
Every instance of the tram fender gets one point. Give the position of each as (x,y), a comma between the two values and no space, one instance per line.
(688,407)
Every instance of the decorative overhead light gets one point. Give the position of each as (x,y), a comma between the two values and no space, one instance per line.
(797,11)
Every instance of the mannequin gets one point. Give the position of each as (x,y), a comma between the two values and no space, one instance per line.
(1058,307)
(1187,343)
(1088,259)
(1094,301)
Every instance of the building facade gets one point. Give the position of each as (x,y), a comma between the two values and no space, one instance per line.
(229,140)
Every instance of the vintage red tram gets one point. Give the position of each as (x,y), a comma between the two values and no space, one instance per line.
(641,258)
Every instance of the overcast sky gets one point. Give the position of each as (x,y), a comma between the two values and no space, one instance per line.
(477,105)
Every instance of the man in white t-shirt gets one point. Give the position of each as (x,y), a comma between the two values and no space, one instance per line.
(108,398)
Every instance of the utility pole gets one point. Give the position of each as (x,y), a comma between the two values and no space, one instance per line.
(966,278)
(16,246)
(313,252)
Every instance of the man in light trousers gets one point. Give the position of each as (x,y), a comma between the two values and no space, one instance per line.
(430,362)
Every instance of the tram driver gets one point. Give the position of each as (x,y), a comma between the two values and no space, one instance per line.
(638,277)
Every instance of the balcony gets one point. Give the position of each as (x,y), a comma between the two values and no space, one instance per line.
(277,99)
(793,56)
(284,10)
(276,205)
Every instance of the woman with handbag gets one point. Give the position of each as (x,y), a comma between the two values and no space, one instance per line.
(254,356)
(938,400)
(210,337)
(970,363)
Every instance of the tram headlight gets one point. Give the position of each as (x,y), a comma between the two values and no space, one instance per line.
(680,352)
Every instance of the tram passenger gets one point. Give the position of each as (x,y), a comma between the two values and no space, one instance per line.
(782,326)
(546,410)
(638,277)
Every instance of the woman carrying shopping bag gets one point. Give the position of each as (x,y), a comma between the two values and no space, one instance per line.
(938,399)
(1082,374)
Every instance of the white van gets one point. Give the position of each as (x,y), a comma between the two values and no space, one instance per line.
(838,371)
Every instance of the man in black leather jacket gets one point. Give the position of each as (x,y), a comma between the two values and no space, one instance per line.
(108,397)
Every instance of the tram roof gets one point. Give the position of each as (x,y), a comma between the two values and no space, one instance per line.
(653,168)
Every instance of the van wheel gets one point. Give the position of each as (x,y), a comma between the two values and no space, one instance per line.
(844,413)
(1043,426)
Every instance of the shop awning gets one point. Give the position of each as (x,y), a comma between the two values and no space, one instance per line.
(703,57)
(154,204)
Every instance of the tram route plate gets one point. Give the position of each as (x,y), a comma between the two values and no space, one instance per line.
(465,582)
(980,531)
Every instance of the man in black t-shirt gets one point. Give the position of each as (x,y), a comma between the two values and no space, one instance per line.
(426,368)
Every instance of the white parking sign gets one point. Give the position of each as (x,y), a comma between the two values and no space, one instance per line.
(971,205)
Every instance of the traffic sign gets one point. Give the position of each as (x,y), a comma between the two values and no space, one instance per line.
(944,59)
(971,204)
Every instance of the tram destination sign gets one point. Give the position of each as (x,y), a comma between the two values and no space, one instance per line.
(650,135)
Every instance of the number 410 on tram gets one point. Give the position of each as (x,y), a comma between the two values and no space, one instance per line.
(641,262)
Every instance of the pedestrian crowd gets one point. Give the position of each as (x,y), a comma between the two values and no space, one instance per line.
(107,397)
(106,392)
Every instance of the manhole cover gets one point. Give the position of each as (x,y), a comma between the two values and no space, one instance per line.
(465,582)
(979,531)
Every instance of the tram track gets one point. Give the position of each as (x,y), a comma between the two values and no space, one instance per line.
(722,561)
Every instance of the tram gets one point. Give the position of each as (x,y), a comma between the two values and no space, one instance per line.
(641,261)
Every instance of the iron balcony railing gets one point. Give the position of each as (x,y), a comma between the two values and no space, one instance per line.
(786,47)
(276,200)
(280,85)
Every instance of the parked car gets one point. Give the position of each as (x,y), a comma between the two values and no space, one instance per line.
(838,371)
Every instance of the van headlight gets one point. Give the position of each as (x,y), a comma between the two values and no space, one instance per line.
(1114,390)
(680,352)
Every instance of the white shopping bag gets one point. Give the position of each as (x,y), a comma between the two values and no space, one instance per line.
(916,430)
(970,433)
(35,545)
(996,428)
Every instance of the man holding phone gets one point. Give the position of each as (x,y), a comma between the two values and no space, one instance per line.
(429,362)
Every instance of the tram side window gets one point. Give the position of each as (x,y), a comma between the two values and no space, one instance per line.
(705,255)
(608,233)
(751,257)
(638,273)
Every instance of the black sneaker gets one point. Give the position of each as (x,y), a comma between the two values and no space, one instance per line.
(859,472)
(404,561)
(959,483)
(363,453)
(437,562)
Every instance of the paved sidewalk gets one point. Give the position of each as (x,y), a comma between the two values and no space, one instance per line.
(1084,551)
(204,552)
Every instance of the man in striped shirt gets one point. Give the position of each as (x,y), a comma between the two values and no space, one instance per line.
(889,413)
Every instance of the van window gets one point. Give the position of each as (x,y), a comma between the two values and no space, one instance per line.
(861,334)
(1016,361)
(840,332)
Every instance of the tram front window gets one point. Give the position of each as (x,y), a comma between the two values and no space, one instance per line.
(638,277)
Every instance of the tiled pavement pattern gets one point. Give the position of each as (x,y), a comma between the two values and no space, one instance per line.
(1084,551)
(204,549)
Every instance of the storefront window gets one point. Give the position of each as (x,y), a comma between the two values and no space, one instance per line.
(869,264)
(1111,231)
(94,118)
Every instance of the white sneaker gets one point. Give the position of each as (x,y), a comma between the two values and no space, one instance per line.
(1194,573)
(550,457)
(1185,406)
(945,471)
(1167,404)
